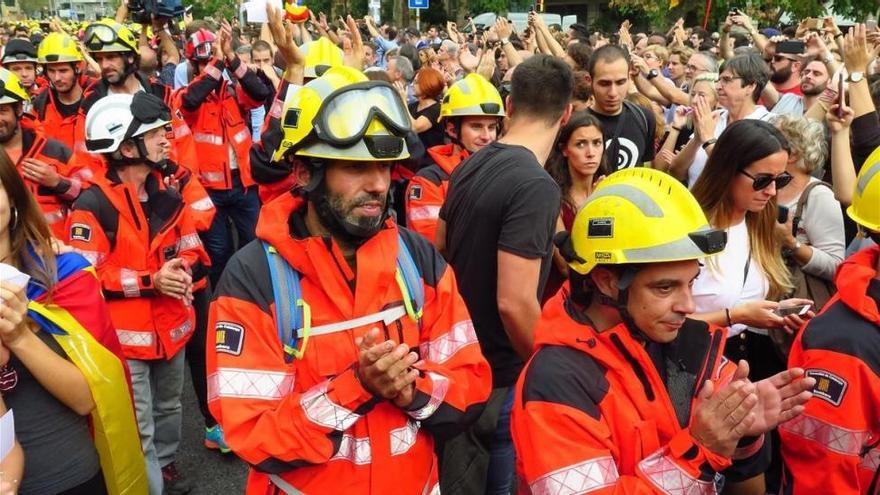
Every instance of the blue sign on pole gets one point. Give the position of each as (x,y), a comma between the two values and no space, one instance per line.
(418,4)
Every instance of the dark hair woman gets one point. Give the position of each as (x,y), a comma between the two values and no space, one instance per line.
(576,164)
(43,349)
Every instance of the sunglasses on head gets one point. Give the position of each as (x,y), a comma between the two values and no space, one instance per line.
(762,181)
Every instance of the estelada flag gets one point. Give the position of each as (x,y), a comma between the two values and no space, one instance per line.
(77,317)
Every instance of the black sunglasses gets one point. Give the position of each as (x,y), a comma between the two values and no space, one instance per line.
(761,181)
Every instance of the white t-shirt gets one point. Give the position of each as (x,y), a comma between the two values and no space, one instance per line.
(699,163)
(720,283)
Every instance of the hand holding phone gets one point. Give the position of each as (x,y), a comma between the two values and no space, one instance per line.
(841,96)
(799,310)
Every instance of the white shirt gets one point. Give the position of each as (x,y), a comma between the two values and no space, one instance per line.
(699,163)
(720,283)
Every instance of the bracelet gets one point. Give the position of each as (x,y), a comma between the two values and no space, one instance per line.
(727,312)
(708,143)
(677,129)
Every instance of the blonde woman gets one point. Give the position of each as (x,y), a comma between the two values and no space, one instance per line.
(739,287)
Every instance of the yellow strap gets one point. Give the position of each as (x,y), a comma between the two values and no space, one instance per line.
(115,427)
(407,300)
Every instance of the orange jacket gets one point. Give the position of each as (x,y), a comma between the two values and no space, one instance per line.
(216,111)
(426,191)
(838,433)
(593,414)
(54,203)
(183,149)
(108,226)
(310,422)
(57,126)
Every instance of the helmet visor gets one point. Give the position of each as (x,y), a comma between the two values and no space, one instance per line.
(203,51)
(99,35)
(346,115)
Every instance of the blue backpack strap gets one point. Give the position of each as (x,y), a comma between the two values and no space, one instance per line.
(287,291)
(410,281)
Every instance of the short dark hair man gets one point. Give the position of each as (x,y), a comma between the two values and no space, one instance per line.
(496,229)
(628,128)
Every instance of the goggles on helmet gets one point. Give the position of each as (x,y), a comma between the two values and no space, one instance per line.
(99,35)
(346,114)
(146,109)
(203,51)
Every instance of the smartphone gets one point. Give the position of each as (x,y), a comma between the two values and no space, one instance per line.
(794,47)
(813,23)
(799,310)
(841,96)
(871,25)
(734,11)
(782,214)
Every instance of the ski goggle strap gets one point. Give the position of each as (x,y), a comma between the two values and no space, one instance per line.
(346,114)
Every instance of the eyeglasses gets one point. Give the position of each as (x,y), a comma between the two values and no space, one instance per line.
(762,181)
(725,80)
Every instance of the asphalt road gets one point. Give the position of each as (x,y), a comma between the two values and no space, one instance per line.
(212,473)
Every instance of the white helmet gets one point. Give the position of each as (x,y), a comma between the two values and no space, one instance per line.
(115,118)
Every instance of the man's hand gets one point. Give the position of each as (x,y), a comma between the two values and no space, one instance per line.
(173,279)
(469,61)
(705,120)
(226,40)
(780,398)
(354,50)
(724,416)
(385,370)
(502,28)
(282,34)
(40,172)
(856,54)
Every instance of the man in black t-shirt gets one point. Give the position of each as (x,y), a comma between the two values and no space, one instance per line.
(496,229)
(628,128)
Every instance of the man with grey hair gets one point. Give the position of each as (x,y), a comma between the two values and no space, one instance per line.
(401,72)
(447,55)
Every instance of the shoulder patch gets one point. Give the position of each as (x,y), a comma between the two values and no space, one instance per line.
(229,337)
(415,192)
(829,387)
(80,232)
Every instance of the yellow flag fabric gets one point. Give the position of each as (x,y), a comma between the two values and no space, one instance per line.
(113,420)
(674,3)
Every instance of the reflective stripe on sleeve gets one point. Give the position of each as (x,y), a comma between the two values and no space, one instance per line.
(445,346)
(668,477)
(249,384)
(404,437)
(322,411)
(438,393)
(134,338)
(424,213)
(583,477)
(832,437)
(355,450)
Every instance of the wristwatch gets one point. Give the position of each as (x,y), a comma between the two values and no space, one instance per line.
(505,41)
(652,74)
(855,77)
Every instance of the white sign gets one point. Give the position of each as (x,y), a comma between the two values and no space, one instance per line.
(256,9)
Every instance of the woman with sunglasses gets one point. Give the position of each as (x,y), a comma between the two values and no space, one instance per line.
(741,287)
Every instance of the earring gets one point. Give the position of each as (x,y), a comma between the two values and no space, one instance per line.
(14,222)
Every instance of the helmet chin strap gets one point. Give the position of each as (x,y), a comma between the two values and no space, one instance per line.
(620,303)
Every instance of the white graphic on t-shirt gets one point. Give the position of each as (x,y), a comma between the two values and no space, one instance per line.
(627,153)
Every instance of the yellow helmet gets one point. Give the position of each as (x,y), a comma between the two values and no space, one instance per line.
(641,215)
(320,55)
(108,35)
(865,207)
(10,88)
(342,115)
(472,96)
(58,47)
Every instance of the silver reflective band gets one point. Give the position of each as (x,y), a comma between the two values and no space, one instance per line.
(668,477)
(873,170)
(202,137)
(181,331)
(249,384)
(284,486)
(189,241)
(583,477)
(445,346)
(322,411)
(129,280)
(634,195)
(424,213)
(438,393)
(871,460)
(683,248)
(355,450)
(404,437)
(832,437)
(133,338)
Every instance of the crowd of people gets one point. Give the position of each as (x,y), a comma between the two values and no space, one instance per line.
(460,260)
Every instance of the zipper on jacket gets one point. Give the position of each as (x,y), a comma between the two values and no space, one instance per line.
(640,372)
(134,215)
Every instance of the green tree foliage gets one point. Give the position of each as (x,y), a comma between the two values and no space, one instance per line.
(215,8)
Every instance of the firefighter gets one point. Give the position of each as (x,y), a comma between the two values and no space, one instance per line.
(624,393)
(115,48)
(336,375)
(57,106)
(471,112)
(215,109)
(131,224)
(47,165)
(838,433)
(20,57)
